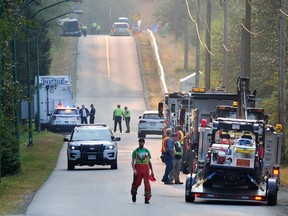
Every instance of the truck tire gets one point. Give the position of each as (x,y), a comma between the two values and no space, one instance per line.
(190,181)
(272,200)
(70,165)
(272,191)
(189,199)
(114,165)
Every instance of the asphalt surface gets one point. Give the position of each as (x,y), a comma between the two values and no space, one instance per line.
(108,74)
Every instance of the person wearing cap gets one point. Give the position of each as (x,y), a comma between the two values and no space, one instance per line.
(167,154)
(117,117)
(176,163)
(141,165)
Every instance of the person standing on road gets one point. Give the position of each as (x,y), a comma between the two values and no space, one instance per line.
(84,112)
(176,164)
(141,165)
(167,154)
(181,137)
(92,114)
(117,117)
(127,116)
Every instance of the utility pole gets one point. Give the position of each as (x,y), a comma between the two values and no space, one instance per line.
(247,41)
(176,8)
(186,43)
(282,77)
(208,45)
(225,63)
(197,64)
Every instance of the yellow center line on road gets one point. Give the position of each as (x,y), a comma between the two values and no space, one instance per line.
(107,57)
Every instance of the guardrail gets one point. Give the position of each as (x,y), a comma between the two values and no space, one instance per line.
(160,67)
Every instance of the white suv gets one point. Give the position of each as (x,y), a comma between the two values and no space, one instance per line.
(64,119)
(120,29)
(150,123)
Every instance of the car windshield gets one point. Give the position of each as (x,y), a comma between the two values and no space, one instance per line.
(65,112)
(151,116)
(88,134)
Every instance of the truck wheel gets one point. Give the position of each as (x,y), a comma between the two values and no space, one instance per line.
(70,165)
(272,191)
(114,165)
(190,181)
(272,200)
(190,199)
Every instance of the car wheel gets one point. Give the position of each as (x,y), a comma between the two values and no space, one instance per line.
(114,165)
(70,165)
(142,135)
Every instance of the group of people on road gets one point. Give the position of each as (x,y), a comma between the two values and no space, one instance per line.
(84,113)
(94,29)
(172,151)
(118,115)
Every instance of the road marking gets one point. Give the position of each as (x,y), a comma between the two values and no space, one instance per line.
(107,57)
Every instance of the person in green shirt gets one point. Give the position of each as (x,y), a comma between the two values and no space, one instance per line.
(141,165)
(127,116)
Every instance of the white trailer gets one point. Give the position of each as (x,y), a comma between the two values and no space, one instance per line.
(53,90)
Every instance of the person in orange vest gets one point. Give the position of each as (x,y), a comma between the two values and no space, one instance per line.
(167,154)
(141,165)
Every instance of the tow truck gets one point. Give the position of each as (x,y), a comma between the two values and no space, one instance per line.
(189,108)
(237,155)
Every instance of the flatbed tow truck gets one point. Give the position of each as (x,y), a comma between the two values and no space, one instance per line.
(237,159)
(239,173)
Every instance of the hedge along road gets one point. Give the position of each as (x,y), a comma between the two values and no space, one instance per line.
(108,74)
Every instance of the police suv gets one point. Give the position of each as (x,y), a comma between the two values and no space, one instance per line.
(92,145)
(64,118)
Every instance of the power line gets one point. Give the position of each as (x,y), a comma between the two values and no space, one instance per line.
(196,26)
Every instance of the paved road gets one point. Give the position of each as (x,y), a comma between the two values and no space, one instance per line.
(108,74)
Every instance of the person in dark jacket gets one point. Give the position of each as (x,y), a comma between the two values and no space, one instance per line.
(92,114)
(84,112)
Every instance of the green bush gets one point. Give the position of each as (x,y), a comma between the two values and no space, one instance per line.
(10,151)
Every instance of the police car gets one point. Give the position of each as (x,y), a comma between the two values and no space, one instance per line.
(64,118)
(91,145)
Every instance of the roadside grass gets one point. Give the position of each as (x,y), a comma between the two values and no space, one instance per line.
(150,71)
(38,161)
(284,176)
